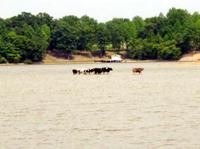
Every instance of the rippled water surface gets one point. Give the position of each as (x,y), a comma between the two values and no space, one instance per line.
(46,107)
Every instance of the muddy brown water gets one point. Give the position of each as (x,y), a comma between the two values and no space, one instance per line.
(46,107)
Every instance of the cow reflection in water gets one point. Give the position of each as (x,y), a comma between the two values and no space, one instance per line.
(137,70)
(102,70)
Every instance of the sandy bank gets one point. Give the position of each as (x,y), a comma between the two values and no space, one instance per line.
(193,57)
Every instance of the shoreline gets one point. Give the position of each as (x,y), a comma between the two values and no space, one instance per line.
(93,62)
(87,58)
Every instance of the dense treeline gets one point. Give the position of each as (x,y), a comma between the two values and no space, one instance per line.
(26,37)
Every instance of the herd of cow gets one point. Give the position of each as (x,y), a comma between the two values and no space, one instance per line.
(102,70)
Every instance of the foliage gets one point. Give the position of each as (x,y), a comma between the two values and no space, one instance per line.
(87,32)
(27,37)
(2,60)
(121,31)
(28,61)
(102,36)
(65,35)
(143,49)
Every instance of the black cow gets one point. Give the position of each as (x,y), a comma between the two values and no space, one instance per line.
(93,70)
(75,71)
(97,70)
(106,69)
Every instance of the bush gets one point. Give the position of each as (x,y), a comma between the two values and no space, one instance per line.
(13,57)
(143,49)
(92,47)
(169,51)
(134,48)
(137,50)
(28,61)
(3,60)
(136,54)
(109,47)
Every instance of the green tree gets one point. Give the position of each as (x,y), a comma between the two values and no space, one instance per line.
(65,35)
(169,51)
(87,37)
(102,36)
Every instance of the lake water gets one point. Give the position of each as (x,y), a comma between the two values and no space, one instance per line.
(46,107)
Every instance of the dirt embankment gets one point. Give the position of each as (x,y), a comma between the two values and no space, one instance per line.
(85,56)
(191,57)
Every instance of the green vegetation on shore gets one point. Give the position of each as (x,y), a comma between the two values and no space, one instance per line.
(27,37)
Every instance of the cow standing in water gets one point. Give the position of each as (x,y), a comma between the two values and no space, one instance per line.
(79,71)
(106,69)
(93,70)
(76,71)
(137,70)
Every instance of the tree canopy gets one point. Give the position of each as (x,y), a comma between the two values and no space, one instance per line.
(27,37)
